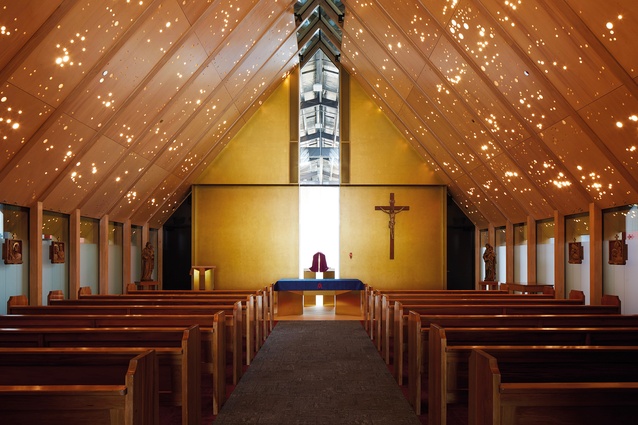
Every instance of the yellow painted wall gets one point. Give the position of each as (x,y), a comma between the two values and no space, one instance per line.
(245,214)
(250,233)
(419,237)
(258,154)
(379,152)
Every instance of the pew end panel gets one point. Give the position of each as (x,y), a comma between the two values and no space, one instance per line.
(62,386)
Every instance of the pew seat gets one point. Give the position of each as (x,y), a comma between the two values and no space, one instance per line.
(553,386)
(178,351)
(61,386)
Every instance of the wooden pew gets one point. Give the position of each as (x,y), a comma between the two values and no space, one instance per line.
(214,331)
(553,386)
(61,386)
(266,293)
(543,320)
(56,294)
(372,299)
(449,351)
(257,314)
(526,288)
(416,333)
(388,326)
(233,316)
(178,351)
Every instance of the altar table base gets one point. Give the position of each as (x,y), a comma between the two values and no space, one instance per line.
(290,301)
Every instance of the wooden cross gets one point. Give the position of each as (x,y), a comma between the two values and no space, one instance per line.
(391,210)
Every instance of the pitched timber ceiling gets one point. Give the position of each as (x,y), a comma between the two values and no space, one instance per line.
(522,107)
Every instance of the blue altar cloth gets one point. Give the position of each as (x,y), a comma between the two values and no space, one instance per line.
(318,285)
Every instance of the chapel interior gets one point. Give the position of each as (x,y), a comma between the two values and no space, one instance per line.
(241,137)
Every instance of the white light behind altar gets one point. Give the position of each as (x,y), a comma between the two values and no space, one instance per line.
(318,226)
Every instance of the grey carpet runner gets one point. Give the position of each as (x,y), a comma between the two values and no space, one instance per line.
(317,372)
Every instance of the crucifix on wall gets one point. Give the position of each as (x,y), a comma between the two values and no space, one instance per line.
(391,210)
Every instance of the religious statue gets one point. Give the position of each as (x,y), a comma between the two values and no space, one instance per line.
(148,261)
(489,256)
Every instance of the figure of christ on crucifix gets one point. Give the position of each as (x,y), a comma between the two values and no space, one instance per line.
(391,210)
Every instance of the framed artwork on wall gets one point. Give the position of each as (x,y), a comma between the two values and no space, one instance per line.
(56,252)
(575,253)
(12,251)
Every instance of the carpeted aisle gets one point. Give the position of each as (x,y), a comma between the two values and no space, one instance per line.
(317,372)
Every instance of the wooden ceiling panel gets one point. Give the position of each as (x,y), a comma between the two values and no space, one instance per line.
(556,47)
(430,144)
(160,195)
(442,130)
(551,177)
(21,115)
(491,53)
(134,62)
(116,187)
(68,52)
(417,23)
(46,158)
(467,206)
(614,23)
(582,158)
(521,187)
(221,19)
(117,107)
(247,34)
(138,194)
(454,110)
(181,110)
(436,171)
(27,16)
(267,77)
(462,80)
(83,177)
(442,10)
(383,62)
(194,9)
(163,214)
(188,136)
(614,118)
(387,35)
(367,71)
(499,195)
(140,112)
(281,32)
(208,136)
(483,204)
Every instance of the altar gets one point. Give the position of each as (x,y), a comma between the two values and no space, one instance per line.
(290,293)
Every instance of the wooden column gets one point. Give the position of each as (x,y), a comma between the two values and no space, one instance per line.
(509,252)
(531,250)
(74,254)
(35,254)
(559,255)
(126,254)
(344,123)
(477,258)
(293,101)
(160,257)
(595,254)
(103,255)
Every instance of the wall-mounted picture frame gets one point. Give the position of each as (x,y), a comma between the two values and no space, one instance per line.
(12,251)
(56,252)
(618,252)
(575,253)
